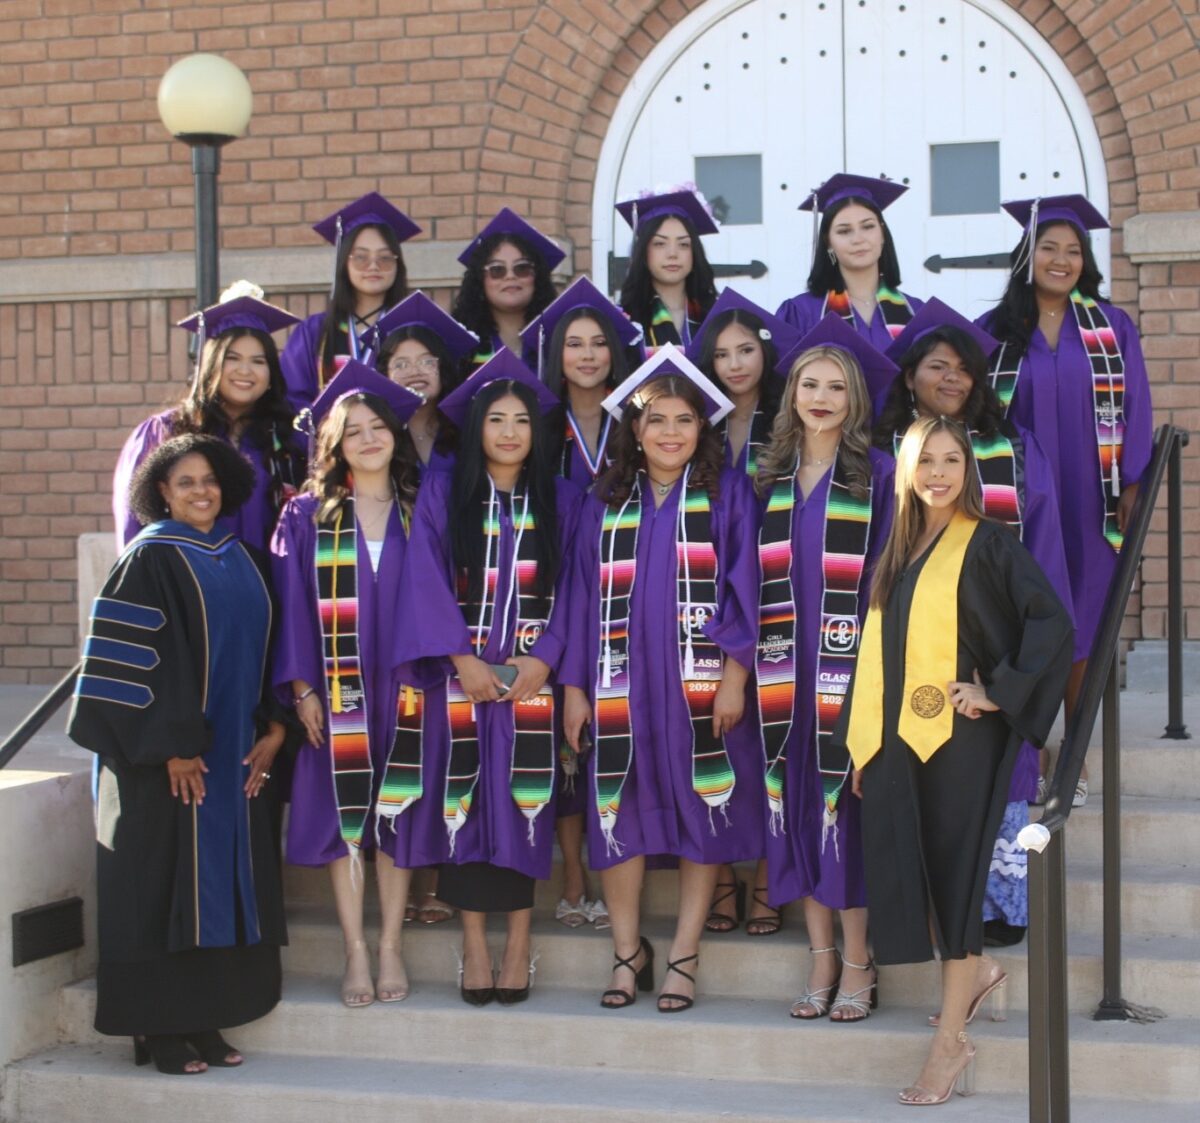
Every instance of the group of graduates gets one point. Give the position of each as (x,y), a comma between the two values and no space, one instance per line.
(675,572)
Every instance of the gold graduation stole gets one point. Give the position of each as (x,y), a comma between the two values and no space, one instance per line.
(930,657)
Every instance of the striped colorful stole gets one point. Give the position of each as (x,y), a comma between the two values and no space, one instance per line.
(1108,398)
(892,307)
(1000,465)
(336,564)
(531,774)
(700,658)
(758,438)
(661,328)
(402,783)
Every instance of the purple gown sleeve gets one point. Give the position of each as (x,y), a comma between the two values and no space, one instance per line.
(298,360)
(1042,522)
(435,625)
(801,312)
(140,443)
(297,652)
(735,627)
(1139,411)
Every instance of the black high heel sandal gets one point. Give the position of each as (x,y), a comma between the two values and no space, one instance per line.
(721,922)
(763,925)
(643,977)
(685,1003)
(475,996)
(510,996)
(214,1050)
(170,1053)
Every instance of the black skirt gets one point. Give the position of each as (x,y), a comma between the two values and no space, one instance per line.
(482,887)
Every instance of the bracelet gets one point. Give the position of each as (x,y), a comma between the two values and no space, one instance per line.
(300,697)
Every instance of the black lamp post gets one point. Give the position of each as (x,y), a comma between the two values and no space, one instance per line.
(205,101)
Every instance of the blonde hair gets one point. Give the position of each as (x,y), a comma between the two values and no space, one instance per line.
(786,443)
(908,519)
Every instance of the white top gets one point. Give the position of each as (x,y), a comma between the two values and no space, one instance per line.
(375,550)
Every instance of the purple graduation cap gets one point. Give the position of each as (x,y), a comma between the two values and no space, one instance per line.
(241,306)
(371,209)
(503,366)
(669,360)
(417,310)
(358,378)
(780,333)
(882,192)
(580,293)
(935,314)
(833,331)
(1032,213)
(684,201)
(509,222)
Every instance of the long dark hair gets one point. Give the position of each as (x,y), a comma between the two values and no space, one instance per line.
(637,290)
(268,427)
(471,307)
(826,275)
(1016,316)
(552,373)
(770,387)
(616,485)
(982,411)
(341,306)
(469,489)
(449,373)
(330,475)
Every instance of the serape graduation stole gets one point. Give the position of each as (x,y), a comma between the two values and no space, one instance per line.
(757,439)
(402,782)
(843,561)
(892,307)
(531,773)
(1108,398)
(700,658)
(1000,465)
(345,697)
(573,438)
(661,328)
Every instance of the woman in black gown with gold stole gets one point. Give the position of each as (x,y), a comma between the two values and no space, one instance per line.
(946,688)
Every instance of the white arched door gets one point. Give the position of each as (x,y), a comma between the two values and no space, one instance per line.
(758,101)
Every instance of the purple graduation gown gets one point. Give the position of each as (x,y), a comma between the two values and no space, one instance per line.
(496,831)
(804,312)
(298,360)
(797,863)
(252,523)
(1054,401)
(416,837)
(660,812)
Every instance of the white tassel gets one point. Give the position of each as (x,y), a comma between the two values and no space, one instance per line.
(829,826)
(775,824)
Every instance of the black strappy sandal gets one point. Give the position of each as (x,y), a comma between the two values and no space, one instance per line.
(685,1003)
(170,1053)
(643,977)
(214,1050)
(763,925)
(722,922)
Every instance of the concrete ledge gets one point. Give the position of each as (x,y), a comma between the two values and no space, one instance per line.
(1146,667)
(431,265)
(1167,236)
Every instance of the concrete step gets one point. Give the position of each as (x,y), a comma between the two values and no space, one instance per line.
(66,1084)
(1159,971)
(1161,900)
(315,1089)
(719,1039)
(1153,830)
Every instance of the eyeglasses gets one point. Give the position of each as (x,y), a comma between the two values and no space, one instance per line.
(427,364)
(498,270)
(384,259)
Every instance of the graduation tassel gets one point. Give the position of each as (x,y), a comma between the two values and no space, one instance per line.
(200,341)
(337,245)
(829,818)
(689,659)
(816,225)
(410,701)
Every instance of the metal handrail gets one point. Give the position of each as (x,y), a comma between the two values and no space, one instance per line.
(1049,1067)
(45,710)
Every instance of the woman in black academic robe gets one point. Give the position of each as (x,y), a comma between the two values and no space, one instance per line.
(933,768)
(171,698)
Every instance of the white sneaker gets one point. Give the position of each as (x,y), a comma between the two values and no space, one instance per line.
(1042,791)
(1081,793)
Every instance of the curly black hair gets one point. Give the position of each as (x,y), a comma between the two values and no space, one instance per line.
(826,275)
(235,475)
(471,308)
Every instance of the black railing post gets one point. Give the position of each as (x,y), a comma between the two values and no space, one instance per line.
(1058,1055)
(1039,990)
(1176,729)
(1112,1005)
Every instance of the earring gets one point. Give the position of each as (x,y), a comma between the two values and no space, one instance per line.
(832,257)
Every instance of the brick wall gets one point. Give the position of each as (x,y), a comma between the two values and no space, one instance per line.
(451,108)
